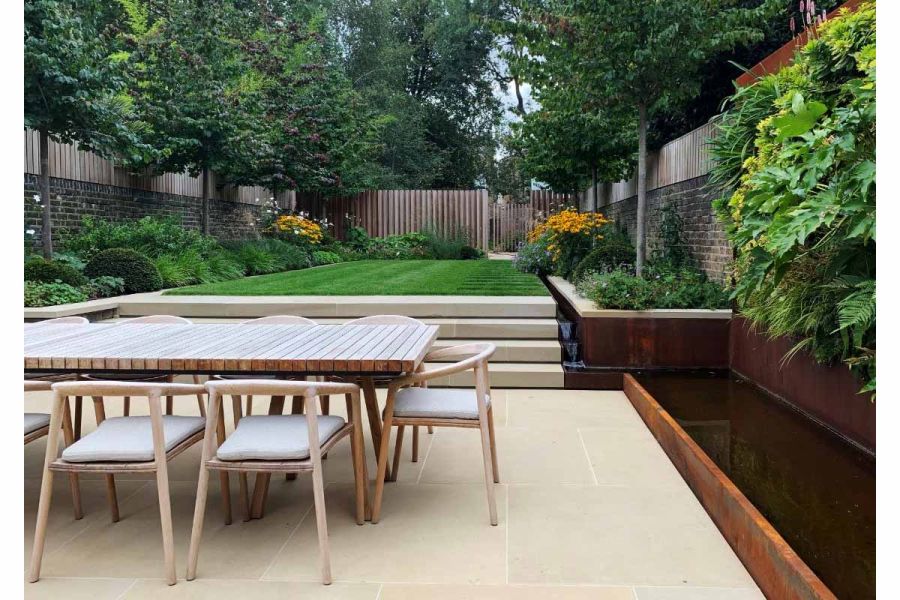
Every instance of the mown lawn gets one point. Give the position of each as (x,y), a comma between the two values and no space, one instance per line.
(385,277)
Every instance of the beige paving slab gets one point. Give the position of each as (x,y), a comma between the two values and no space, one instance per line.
(572,409)
(697,593)
(134,544)
(616,535)
(77,589)
(526,457)
(427,534)
(503,592)
(62,527)
(534,351)
(218,589)
(629,457)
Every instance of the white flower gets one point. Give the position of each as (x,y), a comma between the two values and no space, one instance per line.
(29,231)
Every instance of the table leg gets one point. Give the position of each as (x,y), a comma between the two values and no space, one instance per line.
(368,386)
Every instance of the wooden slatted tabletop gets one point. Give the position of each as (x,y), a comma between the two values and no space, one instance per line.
(227,348)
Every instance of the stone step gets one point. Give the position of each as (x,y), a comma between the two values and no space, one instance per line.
(515,351)
(456,329)
(508,375)
(315,307)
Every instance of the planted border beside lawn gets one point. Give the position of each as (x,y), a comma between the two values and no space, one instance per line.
(384,277)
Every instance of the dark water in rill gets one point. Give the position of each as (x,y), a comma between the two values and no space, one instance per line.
(817,490)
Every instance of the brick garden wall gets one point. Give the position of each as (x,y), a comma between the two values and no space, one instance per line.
(703,233)
(73,200)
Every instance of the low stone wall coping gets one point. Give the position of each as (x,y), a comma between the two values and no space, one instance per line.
(586,308)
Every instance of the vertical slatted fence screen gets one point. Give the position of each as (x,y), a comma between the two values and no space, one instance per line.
(393,212)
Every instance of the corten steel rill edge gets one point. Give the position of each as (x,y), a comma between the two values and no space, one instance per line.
(773,564)
(829,394)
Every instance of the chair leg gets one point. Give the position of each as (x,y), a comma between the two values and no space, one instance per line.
(200,403)
(223,475)
(111,496)
(430,429)
(481,390)
(202,490)
(415,444)
(496,467)
(126,409)
(383,455)
(69,439)
(242,476)
(315,457)
(296,409)
(40,529)
(395,467)
(76,425)
(162,490)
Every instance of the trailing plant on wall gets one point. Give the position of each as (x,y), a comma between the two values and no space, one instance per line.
(798,148)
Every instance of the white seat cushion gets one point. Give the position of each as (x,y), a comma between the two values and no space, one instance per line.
(437,403)
(34,421)
(130,439)
(275,437)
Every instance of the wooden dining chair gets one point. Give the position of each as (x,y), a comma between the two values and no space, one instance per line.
(281,444)
(37,425)
(120,445)
(384,381)
(126,409)
(276,406)
(411,405)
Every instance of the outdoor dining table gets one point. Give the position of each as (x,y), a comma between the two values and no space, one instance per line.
(361,352)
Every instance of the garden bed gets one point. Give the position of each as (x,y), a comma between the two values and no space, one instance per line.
(615,341)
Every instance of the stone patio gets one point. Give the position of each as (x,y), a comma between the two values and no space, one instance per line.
(590,507)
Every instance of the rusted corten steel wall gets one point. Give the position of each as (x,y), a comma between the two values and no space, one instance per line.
(827,393)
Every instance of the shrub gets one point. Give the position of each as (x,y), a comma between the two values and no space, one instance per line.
(470,253)
(657,288)
(535,257)
(325,257)
(358,238)
(150,236)
(258,257)
(297,229)
(38,293)
(619,290)
(570,235)
(68,258)
(796,151)
(104,286)
(611,254)
(136,270)
(50,271)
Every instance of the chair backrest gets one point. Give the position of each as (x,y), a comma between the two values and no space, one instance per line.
(477,352)
(64,321)
(161,319)
(280,320)
(278,387)
(385,320)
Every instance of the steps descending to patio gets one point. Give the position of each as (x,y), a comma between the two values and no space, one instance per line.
(523,328)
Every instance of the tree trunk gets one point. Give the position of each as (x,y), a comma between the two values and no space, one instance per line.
(594,188)
(204,203)
(641,234)
(44,191)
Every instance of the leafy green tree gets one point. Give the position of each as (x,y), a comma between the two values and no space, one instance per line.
(427,66)
(643,54)
(74,86)
(193,88)
(315,133)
